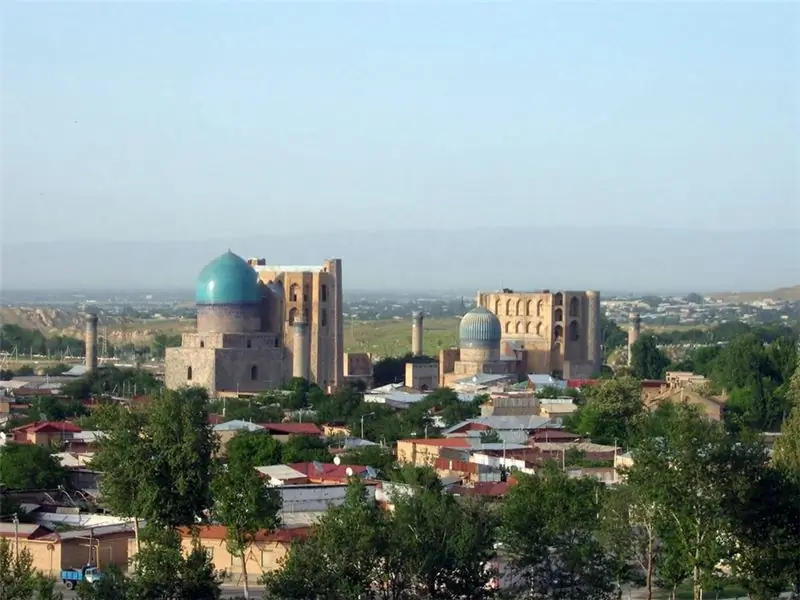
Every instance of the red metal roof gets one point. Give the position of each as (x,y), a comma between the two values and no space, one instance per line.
(329,471)
(49,427)
(293,428)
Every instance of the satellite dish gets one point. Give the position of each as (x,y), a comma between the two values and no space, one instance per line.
(337,460)
(349,471)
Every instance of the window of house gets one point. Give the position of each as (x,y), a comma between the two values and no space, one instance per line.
(249,343)
(324,293)
(305,293)
(558,299)
(324,317)
(253,373)
(558,315)
(293,292)
(292,316)
(202,344)
(189,373)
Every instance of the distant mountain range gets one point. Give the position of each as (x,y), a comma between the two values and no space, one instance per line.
(658,261)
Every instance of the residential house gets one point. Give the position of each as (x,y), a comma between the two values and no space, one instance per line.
(48,434)
(53,551)
(263,556)
(283,431)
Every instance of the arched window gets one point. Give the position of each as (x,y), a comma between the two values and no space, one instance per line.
(529,308)
(189,374)
(254,373)
(519,307)
(529,327)
(202,344)
(293,292)
(574,307)
(558,315)
(508,326)
(538,329)
(305,293)
(497,306)
(519,327)
(574,331)
(539,307)
(508,307)
(292,316)
(558,299)
(324,293)
(558,332)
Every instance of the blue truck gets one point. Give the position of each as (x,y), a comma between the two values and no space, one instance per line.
(72,577)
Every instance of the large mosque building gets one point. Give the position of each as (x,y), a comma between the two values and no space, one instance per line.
(259,325)
(527,332)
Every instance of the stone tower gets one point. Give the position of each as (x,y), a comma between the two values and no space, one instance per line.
(91,341)
(633,334)
(416,333)
(300,356)
(594,351)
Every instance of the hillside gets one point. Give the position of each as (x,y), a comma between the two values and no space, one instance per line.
(119,330)
(788,294)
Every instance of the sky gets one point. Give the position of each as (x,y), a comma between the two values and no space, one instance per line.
(163,122)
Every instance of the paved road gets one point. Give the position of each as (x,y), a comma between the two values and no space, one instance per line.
(227,592)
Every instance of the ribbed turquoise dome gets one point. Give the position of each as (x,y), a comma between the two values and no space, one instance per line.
(228,279)
(480,328)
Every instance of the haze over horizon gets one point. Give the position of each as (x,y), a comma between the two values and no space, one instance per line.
(430,146)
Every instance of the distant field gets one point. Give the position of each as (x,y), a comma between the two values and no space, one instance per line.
(393,337)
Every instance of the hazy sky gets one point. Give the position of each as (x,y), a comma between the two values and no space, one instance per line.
(189,121)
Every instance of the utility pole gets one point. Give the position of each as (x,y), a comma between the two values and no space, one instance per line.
(16,537)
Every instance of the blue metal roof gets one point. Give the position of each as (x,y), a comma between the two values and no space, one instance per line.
(228,279)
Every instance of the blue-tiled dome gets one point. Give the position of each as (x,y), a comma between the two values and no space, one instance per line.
(228,279)
(479,328)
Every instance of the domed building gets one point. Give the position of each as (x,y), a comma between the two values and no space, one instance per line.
(527,333)
(258,326)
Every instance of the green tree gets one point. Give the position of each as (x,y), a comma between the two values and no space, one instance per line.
(610,412)
(647,359)
(341,558)
(246,506)
(378,457)
(683,475)
(613,336)
(549,527)
(17,576)
(162,572)
(157,464)
(29,467)
(305,448)
(254,449)
(445,545)
(787,446)
(490,436)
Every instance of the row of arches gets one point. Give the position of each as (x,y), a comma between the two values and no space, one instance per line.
(573,330)
(527,308)
(294,293)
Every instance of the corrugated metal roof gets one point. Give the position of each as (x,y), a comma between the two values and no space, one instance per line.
(280,472)
(237,425)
